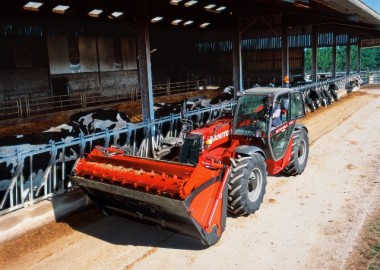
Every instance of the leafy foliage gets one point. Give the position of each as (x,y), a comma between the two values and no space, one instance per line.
(370,59)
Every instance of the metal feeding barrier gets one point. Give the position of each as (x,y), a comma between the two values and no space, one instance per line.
(40,172)
(341,82)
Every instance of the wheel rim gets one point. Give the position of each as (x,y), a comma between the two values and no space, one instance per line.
(302,152)
(254,185)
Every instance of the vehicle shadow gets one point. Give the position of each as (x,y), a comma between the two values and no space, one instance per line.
(122,231)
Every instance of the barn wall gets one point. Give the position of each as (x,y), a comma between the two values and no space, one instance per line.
(265,66)
(87,81)
(38,66)
(23,82)
(259,66)
(58,52)
(23,67)
(94,63)
(88,54)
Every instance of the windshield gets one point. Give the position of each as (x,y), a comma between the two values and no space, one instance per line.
(250,117)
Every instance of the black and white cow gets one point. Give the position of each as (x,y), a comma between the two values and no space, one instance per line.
(225,96)
(333,88)
(166,109)
(353,84)
(69,128)
(36,170)
(90,122)
(98,120)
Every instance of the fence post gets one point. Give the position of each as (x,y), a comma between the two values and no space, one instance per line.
(83,100)
(27,107)
(370,79)
(168,87)
(19,108)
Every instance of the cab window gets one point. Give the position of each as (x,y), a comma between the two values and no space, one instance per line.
(297,107)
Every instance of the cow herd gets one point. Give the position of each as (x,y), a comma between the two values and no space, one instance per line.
(325,94)
(35,170)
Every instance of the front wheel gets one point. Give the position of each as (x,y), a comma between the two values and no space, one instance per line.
(300,153)
(247,184)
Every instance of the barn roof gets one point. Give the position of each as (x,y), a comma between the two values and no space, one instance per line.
(263,16)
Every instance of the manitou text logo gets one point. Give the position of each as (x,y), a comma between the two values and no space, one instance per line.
(218,137)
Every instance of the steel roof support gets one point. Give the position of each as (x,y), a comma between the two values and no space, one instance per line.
(348,55)
(145,67)
(144,63)
(358,67)
(285,53)
(314,45)
(236,58)
(333,56)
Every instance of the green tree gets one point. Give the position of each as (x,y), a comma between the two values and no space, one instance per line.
(369,60)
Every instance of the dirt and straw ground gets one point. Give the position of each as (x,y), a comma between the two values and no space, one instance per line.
(365,254)
(366,251)
(131,108)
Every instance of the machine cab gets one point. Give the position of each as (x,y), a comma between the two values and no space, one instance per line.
(265,117)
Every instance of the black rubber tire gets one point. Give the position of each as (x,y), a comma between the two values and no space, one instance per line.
(300,153)
(246,187)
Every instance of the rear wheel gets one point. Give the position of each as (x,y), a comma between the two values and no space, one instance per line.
(247,184)
(300,153)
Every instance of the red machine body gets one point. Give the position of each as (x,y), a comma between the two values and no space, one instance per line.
(189,196)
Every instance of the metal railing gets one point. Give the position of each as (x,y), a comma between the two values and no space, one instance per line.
(173,88)
(341,82)
(40,171)
(11,109)
(32,106)
(44,105)
(371,77)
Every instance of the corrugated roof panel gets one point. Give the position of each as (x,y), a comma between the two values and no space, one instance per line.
(325,39)
(341,40)
(295,41)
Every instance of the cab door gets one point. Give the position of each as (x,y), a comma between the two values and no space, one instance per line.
(280,136)
(292,108)
(297,106)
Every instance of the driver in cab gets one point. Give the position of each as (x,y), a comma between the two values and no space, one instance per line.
(269,108)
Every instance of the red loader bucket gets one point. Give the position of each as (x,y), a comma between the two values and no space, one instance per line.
(190,200)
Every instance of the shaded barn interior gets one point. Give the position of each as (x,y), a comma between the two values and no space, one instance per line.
(60,48)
